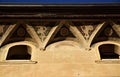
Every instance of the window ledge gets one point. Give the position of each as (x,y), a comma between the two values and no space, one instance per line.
(18,62)
(108,61)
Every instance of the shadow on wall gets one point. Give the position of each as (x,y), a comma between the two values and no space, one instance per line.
(19,52)
(108,51)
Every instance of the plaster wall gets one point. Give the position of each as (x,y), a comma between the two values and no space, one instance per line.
(76,56)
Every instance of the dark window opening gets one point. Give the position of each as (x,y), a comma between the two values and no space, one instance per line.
(107,51)
(19,52)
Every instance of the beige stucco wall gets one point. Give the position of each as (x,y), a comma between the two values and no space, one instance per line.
(76,57)
(62,64)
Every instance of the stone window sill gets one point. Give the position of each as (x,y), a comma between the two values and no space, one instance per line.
(108,61)
(18,62)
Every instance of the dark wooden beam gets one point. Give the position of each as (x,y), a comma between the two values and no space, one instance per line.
(106,10)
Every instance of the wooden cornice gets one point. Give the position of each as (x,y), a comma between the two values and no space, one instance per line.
(59,11)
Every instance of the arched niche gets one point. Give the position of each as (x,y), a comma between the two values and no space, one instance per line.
(23,50)
(107,50)
(63,32)
(64,45)
(19,52)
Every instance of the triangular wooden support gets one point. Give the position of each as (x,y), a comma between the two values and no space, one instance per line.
(19,32)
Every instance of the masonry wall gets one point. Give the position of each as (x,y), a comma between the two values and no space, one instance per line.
(60,48)
(60,66)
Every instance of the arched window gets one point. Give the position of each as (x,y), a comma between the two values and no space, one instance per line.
(19,52)
(109,51)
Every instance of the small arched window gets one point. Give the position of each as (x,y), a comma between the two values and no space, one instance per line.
(19,52)
(109,51)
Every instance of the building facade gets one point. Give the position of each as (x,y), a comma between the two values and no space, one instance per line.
(39,40)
